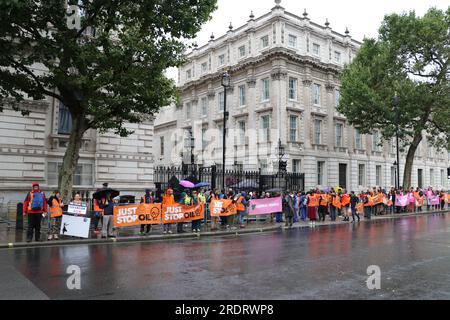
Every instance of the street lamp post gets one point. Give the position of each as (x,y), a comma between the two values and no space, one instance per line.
(280,150)
(397,120)
(395,175)
(226,80)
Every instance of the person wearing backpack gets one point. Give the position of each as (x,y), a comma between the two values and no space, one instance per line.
(34,206)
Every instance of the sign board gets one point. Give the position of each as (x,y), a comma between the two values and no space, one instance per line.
(75,226)
(77,209)
(265,206)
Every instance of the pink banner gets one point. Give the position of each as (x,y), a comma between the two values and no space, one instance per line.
(411,198)
(265,206)
(401,201)
(433,200)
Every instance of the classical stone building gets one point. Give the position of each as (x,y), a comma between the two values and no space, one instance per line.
(285,87)
(32,147)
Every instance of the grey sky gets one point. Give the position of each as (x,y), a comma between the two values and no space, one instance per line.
(362,17)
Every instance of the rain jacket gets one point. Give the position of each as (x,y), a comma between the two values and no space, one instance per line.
(28,200)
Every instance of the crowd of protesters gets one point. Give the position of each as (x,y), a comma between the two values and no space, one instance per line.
(312,206)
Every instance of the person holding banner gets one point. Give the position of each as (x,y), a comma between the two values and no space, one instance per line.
(146,199)
(313,204)
(108,216)
(242,208)
(323,206)
(195,223)
(214,219)
(168,200)
(55,205)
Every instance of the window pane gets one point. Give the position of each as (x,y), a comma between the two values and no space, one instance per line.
(65,120)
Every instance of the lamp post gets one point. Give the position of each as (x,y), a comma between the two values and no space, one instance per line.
(280,150)
(395,175)
(226,80)
(397,120)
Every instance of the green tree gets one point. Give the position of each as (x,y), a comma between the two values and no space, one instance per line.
(410,58)
(108,70)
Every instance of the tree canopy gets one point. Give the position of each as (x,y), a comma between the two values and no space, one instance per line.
(108,70)
(409,59)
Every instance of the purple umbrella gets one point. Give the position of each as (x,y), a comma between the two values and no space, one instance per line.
(187,184)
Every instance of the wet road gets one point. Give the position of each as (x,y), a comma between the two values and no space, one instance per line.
(329,262)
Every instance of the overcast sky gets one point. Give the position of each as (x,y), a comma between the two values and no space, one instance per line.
(362,17)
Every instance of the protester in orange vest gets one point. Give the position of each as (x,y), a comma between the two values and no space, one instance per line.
(323,206)
(55,205)
(345,202)
(147,198)
(368,204)
(313,203)
(168,200)
(335,205)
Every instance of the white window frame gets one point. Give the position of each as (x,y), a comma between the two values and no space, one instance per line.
(316,45)
(337,56)
(361,174)
(242,51)
(265,131)
(317,94)
(221,101)
(378,175)
(293,128)
(317,131)
(265,41)
(265,90)
(293,86)
(339,135)
(292,41)
(188,110)
(204,102)
(358,146)
(320,173)
(242,96)
(242,131)
(221,59)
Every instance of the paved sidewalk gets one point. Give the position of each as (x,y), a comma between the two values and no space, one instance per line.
(12,238)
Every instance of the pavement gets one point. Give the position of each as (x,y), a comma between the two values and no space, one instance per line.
(327,262)
(12,238)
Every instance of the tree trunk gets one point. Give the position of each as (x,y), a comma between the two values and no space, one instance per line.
(70,161)
(410,160)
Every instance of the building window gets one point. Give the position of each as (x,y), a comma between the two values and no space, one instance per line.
(339,133)
(220,129)
(337,97)
(83,175)
(265,90)
(263,165)
(317,94)
(241,125)
(292,41)
(242,51)
(188,111)
(316,49)
(361,175)
(242,98)
(442,178)
(265,126)
(358,140)
(431,177)
(378,176)
(221,60)
(293,89)
(65,120)
(337,56)
(264,42)
(188,74)
(221,101)
(204,67)
(320,172)
(296,165)
(204,106)
(376,141)
(317,131)
(161,146)
(293,128)
(203,138)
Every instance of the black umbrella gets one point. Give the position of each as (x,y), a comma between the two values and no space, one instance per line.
(103,192)
(174,183)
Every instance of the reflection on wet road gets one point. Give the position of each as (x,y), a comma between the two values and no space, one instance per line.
(325,263)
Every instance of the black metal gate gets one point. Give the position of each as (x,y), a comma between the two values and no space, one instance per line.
(234,179)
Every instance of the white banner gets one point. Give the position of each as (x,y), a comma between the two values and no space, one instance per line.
(75,226)
(77,209)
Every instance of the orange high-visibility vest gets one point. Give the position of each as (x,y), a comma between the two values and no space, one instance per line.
(96,207)
(324,200)
(55,209)
(360,208)
(313,201)
(370,203)
(337,202)
(345,200)
(239,205)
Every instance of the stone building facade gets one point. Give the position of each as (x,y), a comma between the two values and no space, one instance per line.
(285,87)
(32,147)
